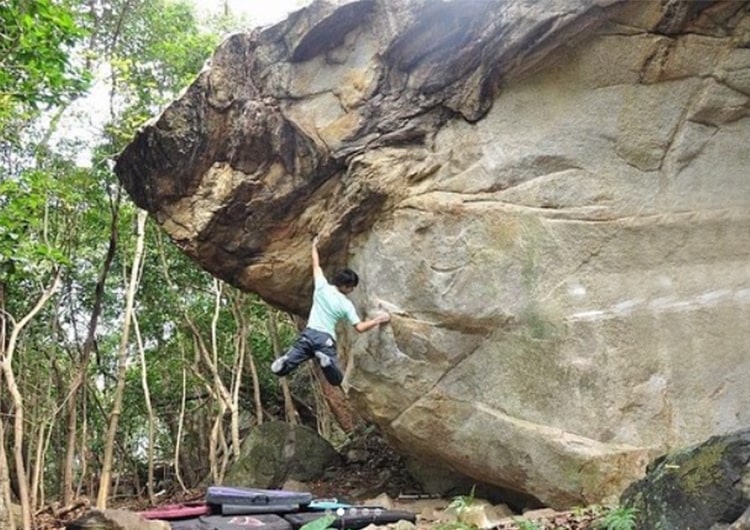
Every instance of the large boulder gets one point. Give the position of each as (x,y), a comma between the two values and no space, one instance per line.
(552,198)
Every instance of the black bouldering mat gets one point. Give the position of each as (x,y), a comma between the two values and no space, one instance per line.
(352,518)
(264,521)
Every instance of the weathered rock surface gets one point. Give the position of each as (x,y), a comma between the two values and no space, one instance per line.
(553,198)
(276,451)
(114,520)
(696,487)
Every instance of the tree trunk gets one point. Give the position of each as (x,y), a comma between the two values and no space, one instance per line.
(290,412)
(335,402)
(84,478)
(250,361)
(88,347)
(6,363)
(42,427)
(238,365)
(37,467)
(6,519)
(42,495)
(180,424)
(219,390)
(210,359)
(149,409)
(106,476)
(217,442)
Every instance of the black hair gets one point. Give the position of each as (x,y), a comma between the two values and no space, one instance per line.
(346,278)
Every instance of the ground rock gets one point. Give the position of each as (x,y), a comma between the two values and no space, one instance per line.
(483,515)
(383,500)
(697,487)
(743,523)
(275,452)
(552,199)
(402,525)
(114,520)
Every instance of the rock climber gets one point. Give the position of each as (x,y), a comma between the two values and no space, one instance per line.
(318,339)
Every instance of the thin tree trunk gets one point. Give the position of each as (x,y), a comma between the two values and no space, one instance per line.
(6,362)
(84,452)
(6,519)
(106,476)
(290,411)
(322,411)
(180,423)
(37,449)
(216,440)
(217,388)
(30,405)
(224,394)
(37,467)
(239,365)
(88,347)
(47,441)
(221,392)
(337,404)
(149,409)
(216,434)
(250,360)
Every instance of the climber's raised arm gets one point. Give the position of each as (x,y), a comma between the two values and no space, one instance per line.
(317,271)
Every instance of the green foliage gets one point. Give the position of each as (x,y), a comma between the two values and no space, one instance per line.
(461,502)
(153,66)
(594,510)
(36,39)
(55,214)
(619,518)
(455,525)
(30,243)
(459,505)
(525,524)
(319,524)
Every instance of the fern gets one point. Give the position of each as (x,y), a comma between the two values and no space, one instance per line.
(319,524)
(462,502)
(620,518)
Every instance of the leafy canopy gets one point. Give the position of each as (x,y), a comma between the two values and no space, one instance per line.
(36,39)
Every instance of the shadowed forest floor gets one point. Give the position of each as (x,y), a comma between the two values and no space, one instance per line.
(381,479)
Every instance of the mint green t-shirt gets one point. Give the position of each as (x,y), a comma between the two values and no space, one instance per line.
(329,306)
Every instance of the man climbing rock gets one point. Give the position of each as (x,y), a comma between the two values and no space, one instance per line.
(318,339)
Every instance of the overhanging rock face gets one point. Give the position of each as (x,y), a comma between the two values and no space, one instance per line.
(552,197)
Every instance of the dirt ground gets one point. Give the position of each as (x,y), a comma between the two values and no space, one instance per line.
(377,477)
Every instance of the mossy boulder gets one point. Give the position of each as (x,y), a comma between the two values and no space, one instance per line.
(696,487)
(277,451)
